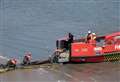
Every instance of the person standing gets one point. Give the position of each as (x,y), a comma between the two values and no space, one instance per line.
(92,39)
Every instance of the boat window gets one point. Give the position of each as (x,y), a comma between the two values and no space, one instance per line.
(117,37)
(100,43)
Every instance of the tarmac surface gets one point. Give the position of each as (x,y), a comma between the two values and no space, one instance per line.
(92,72)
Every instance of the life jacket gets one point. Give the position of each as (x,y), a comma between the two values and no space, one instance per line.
(92,39)
(93,36)
(28,57)
(13,61)
(92,42)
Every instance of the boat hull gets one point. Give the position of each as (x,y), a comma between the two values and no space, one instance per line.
(93,59)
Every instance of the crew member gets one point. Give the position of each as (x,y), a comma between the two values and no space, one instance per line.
(69,40)
(88,35)
(92,39)
(27,58)
(12,63)
(70,37)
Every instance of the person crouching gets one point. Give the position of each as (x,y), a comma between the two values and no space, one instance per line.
(27,58)
(12,63)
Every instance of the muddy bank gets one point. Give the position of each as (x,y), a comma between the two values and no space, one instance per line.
(95,72)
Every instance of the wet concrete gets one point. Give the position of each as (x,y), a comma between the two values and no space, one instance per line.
(95,72)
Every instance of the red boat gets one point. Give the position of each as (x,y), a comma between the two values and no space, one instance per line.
(105,48)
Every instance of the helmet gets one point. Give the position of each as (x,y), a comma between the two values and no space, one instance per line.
(93,33)
(89,32)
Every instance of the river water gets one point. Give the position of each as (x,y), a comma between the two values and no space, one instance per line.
(34,25)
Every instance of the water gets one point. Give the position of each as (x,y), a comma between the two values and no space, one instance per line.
(34,25)
(28,25)
(66,73)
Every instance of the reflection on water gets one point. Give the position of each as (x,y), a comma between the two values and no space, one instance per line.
(96,72)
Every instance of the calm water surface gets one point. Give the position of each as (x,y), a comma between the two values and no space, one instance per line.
(34,25)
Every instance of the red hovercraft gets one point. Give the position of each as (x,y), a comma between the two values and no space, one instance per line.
(90,49)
